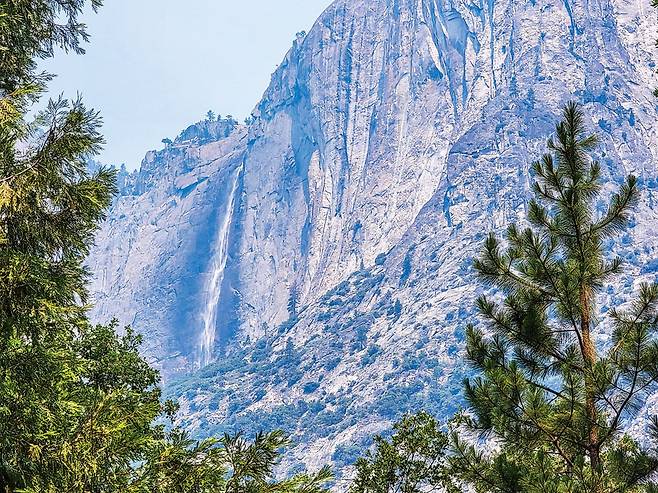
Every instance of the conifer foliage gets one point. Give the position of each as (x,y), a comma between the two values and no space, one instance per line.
(49,209)
(553,394)
(413,460)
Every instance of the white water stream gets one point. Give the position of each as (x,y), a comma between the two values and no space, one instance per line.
(213,286)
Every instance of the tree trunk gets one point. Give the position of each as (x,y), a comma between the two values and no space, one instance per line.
(589,357)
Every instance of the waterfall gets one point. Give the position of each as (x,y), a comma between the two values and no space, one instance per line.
(213,285)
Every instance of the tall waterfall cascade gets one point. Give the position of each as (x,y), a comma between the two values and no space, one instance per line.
(213,289)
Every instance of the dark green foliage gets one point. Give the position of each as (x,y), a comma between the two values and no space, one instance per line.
(554,395)
(310,387)
(411,461)
(371,354)
(32,30)
(395,311)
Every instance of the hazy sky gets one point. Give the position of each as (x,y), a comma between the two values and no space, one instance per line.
(155,66)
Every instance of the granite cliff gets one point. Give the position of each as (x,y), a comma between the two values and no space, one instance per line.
(311,270)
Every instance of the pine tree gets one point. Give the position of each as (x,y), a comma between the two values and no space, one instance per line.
(553,394)
(177,464)
(231,464)
(251,466)
(49,209)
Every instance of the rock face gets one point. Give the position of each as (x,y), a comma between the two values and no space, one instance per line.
(312,271)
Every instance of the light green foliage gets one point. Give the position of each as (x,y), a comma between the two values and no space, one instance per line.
(251,466)
(550,392)
(411,461)
(176,464)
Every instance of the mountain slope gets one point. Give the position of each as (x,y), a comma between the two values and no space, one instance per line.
(320,257)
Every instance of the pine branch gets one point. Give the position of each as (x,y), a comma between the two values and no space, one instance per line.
(617,215)
(647,301)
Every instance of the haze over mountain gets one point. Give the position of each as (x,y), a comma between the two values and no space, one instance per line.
(152,72)
(311,270)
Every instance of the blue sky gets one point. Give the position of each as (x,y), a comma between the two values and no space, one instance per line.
(153,67)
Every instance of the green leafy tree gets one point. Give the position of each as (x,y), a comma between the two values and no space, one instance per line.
(553,394)
(411,461)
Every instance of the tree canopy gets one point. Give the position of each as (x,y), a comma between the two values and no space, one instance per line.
(413,460)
